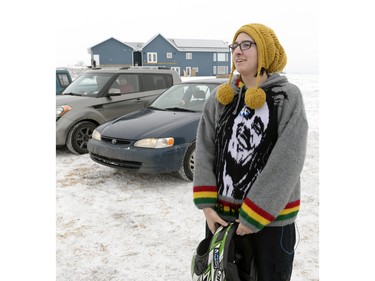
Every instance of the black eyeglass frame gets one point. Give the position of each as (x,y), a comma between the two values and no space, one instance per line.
(243,45)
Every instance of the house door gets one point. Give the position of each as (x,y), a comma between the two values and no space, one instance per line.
(188,71)
(137,59)
(177,69)
(95,62)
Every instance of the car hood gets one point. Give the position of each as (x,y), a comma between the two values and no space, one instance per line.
(150,123)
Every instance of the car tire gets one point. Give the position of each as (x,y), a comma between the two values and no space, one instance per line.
(78,137)
(186,171)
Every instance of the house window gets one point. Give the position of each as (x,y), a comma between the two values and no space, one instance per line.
(152,57)
(214,70)
(214,58)
(189,56)
(169,55)
(222,69)
(222,57)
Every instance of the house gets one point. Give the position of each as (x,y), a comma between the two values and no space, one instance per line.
(114,53)
(189,57)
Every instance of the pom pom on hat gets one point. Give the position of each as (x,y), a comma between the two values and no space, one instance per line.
(225,94)
(255,98)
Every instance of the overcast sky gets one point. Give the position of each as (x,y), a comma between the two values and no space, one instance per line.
(85,23)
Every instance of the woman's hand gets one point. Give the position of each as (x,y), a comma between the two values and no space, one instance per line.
(242,230)
(213,219)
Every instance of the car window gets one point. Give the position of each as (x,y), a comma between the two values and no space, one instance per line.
(63,79)
(89,84)
(169,80)
(171,98)
(152,82)
(127,83)
(186,96)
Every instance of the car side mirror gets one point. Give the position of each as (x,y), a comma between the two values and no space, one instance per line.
(114,92)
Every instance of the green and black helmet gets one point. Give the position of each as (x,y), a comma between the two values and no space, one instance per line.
(224,257)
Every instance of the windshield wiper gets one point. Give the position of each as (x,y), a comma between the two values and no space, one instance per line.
(179,109)
(157,108)
(71,94)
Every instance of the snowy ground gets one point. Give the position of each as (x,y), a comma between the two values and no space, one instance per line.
(113,225)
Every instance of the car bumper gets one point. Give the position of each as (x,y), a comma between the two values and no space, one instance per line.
(141,160)
(62,128)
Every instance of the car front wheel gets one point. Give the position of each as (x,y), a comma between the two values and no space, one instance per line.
(186,171)
(78,137)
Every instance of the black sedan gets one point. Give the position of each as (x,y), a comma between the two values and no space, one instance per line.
(159,138)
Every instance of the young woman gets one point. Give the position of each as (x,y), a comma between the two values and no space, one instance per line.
(250,151)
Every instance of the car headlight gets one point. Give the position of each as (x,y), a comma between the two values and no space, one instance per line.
(155,143)
(61,110)
(96,135)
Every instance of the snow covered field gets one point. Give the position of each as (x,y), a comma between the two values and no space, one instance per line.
(113,225)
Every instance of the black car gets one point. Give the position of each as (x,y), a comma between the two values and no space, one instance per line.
(159,138)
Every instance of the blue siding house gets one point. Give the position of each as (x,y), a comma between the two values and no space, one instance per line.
(113,52)
(189,57)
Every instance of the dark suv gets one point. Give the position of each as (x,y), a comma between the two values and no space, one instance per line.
(63,79)
(98,96)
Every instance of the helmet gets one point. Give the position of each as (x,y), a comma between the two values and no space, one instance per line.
(224,257)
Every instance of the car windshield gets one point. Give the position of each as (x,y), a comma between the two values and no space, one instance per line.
(88,84)
(190,97)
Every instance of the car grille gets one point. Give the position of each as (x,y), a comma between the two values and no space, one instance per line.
(115,141)
(115,163)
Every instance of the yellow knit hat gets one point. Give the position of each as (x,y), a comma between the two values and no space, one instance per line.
(271,57)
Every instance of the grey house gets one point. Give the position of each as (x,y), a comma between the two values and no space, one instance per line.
(189,57)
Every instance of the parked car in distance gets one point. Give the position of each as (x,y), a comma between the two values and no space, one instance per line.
(63,79)
(98,96)
(159,138)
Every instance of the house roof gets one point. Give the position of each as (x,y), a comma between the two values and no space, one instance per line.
(153,37)
(205,45)
(135,45)
(130,44)
(192,45)
(184,45)
(199,43)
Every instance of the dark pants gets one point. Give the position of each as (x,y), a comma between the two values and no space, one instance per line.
(274,252)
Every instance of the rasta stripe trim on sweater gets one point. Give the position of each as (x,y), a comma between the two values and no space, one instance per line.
(256,216)
(205,195)
(228,209)
(289,211)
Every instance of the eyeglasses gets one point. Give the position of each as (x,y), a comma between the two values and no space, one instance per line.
(244,45)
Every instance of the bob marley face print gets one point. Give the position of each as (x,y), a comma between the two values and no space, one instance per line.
(248,129)
(244,141)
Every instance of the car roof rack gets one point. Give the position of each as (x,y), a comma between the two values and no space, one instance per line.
(144,67)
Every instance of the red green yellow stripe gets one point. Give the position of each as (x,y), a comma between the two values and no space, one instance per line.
(228,209)
(255,214)
(205,194)
(290,210)
(260,218)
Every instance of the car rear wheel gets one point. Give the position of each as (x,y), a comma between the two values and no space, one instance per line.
(78,137)
(186,171)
